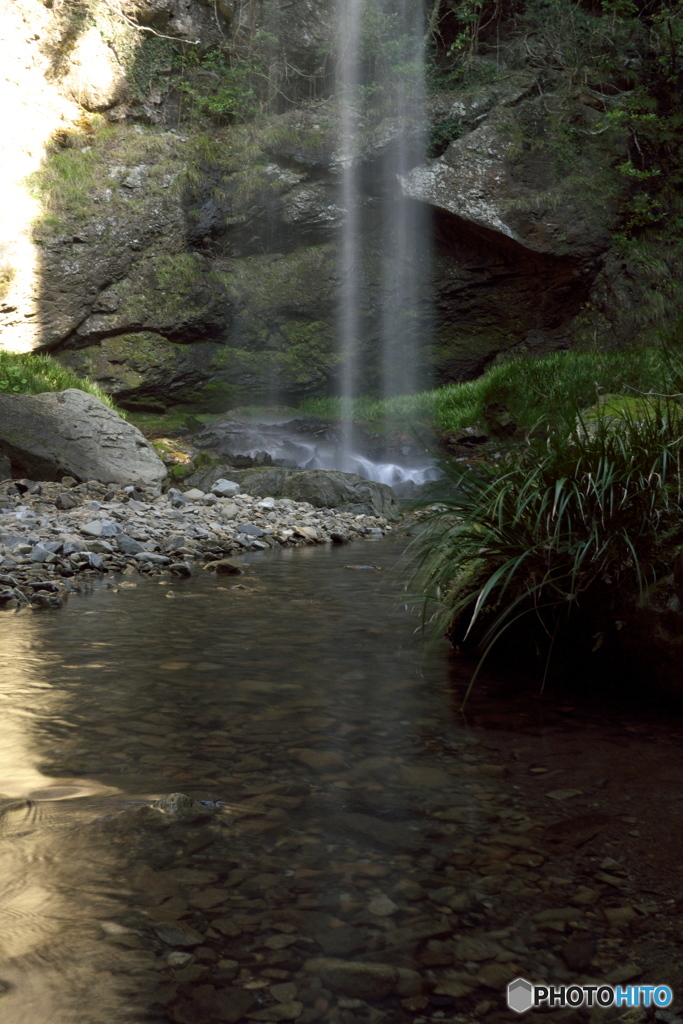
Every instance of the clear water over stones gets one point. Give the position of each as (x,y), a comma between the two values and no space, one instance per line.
(347,849)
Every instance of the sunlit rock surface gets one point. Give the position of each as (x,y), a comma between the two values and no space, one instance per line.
(69,432)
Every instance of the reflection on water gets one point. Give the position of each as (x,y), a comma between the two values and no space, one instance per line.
(352,814)
(127,695)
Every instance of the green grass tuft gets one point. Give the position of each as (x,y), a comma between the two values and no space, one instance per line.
(583,519)
(30,374)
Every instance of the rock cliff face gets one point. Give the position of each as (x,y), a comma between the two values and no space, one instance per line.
(176,265)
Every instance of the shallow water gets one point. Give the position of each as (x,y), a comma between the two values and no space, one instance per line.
(354,812)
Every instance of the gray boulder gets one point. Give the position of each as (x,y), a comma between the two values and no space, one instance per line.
(225,488)
(526,198)
(70,432)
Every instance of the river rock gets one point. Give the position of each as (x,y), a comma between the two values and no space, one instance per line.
(65,501)
(359,980)
(225,567)
(209,1004)
(290,1010)
(181,807)
(225,488)
(70,432)
(44,549)
(178,935)
(128,545)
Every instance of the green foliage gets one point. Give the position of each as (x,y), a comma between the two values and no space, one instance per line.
(29,374)
(148,62)
(442,133)
(532,389)
(390,71)
(584,517)
(167,424)
(219,85)
(63,180)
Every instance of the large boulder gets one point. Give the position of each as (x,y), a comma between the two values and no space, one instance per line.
(323,488)
(72,433)
(495,180)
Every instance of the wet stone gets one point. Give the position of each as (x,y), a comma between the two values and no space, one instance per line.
(362,980)
(291,1010)
(378,831)
(382,906)
(318,760)
(208,1003)
(477,948)
(178,935)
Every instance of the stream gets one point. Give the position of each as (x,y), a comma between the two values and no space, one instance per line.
(365,852)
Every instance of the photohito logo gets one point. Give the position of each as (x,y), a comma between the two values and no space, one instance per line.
(522,995)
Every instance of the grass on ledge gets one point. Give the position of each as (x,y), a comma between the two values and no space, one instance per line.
(23,373)
(532,389)
(167,424)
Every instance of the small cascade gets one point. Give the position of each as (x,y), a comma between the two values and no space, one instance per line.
(308,443)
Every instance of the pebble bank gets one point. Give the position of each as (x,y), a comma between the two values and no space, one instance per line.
(52,534)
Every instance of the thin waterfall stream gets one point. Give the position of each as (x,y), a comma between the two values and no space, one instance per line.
(390,98)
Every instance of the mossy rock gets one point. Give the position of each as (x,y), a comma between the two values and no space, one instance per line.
(612,408)
(170,455)
(178,473)
(203,460)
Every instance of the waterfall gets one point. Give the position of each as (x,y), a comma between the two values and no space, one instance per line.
(406,230)
(381,92)
(349,320)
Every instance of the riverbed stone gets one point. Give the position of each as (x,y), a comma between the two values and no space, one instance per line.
(180,807)
(319,760)
(382,906)
(42,551)
(178,935)
(208,1003)
(141,530)
(350,978)
(65,501)
(290,1010)
(225,488)
(250,529)
(128,545)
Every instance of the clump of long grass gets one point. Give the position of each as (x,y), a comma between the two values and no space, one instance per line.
(30,374)
(589,515)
